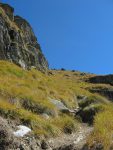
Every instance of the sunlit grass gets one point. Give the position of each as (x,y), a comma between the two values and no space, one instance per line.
(103,127)
(25,95)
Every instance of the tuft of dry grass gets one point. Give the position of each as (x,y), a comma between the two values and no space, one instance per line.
(103,128)
(25,95)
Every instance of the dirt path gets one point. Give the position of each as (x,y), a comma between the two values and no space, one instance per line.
(73,141)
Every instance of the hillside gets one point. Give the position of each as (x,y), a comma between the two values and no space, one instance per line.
(29,98)
(48,109)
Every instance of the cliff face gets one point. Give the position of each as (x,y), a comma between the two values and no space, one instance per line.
(18,42)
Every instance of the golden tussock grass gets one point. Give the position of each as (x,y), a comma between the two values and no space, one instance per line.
(26,94)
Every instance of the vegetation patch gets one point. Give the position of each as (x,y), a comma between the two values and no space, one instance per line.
(24,97)
(103,128)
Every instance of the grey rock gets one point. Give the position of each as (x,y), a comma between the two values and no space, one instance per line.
(8,9)
(18,43)
(69,147)
(6,136)
(45,116)
(107,79)
(58,104)
(44,145)
(107,92)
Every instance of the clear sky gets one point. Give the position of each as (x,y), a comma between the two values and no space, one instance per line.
(74,34)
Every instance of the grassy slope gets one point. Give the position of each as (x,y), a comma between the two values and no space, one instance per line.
(24,97)
(103,128)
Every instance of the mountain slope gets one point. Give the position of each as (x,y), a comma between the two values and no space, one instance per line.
(48,109)
(51,104)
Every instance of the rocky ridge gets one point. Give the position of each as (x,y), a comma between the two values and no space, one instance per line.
(18,42)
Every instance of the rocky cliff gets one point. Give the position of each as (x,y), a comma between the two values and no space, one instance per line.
(18,43)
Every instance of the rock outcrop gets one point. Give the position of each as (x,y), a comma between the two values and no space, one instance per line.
(107,79)
(106,92)
(18,43)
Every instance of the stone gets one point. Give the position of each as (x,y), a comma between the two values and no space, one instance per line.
(59,105)
(8,10)
(45,116)
(18,43)
(68,147)
(106,92)
(6,137)
(107,79)
(44,145)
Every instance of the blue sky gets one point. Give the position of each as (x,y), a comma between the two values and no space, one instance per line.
(74,34)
